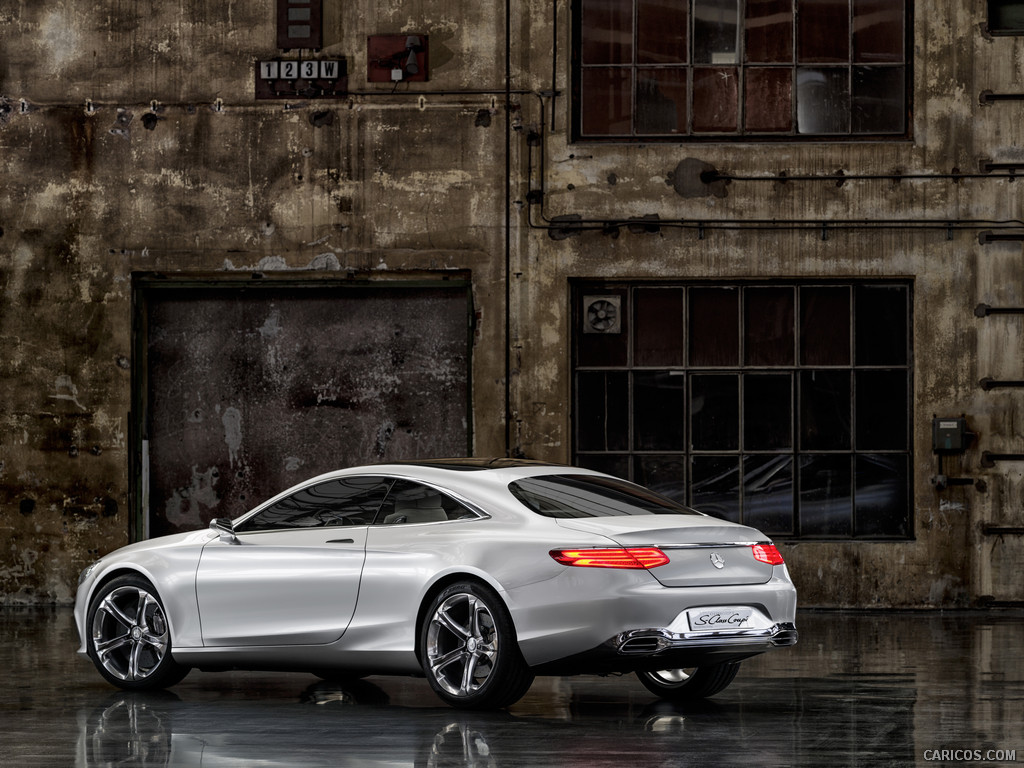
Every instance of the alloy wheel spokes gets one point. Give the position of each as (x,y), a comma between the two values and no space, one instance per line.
(112,609)
(462,644)
(129,633)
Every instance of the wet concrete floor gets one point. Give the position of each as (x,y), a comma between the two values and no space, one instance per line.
(861,689)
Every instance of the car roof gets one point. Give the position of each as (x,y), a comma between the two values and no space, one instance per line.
(478,464)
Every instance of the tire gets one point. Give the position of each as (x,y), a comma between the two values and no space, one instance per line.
(129,636)
(468,649)
(691,683)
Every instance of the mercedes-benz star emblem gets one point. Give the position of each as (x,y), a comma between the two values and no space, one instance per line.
(717,560)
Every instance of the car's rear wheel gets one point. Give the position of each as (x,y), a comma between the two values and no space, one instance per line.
(469,651)
(689,683)
(129,636)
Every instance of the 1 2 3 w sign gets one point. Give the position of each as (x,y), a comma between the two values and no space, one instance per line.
(305,79)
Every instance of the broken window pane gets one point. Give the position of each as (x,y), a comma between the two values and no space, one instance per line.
(878,31)
(823,100)
(768,493)
(825,326)
(879,96)
(658,327)
(768,98)
(606,101)
(714,326)
(659,401)
(716,25)
(661,101)
(607,31)
(661,32)
(715,412)
(826,503)
(825,410)
(769,31)
(715,100)
(767,411)
(715,487)
(823,31)
(768,334)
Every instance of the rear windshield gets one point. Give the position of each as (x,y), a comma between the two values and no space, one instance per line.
(590,496)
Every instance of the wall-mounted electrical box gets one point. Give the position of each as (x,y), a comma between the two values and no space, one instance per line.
(300,24)
(395,58)
(950,435)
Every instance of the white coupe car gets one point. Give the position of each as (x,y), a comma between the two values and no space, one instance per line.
(478,574)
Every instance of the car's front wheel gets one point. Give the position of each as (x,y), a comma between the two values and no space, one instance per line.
(469,651)
(129,636)
(690,683)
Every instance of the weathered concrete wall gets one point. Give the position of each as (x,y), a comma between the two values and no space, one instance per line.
(131,141)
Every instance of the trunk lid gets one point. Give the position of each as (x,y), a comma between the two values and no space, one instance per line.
(702,551)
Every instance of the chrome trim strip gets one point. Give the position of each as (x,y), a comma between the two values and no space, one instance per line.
(776,636)
(711,546)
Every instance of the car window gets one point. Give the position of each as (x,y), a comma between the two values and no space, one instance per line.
(346,501)
(591,496)
(410,502)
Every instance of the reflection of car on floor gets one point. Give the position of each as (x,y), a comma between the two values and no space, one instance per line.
(478,574)
(353,723)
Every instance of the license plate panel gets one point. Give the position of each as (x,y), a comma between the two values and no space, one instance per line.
(719,618)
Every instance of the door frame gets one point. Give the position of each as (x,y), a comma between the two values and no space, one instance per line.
(146,285)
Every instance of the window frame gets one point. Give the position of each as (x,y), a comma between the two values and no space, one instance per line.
(244,525)
(743,68)
(392,485)
(891,452)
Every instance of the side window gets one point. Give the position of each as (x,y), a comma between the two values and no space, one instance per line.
(348,501)
(411,502)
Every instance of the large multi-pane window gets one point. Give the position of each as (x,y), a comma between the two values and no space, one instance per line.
(782,406)
(649,69)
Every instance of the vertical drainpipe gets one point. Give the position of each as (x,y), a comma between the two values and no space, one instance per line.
(508,227)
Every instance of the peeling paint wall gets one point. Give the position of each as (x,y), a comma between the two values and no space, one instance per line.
(130,141)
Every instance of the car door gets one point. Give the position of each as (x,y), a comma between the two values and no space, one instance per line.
(419,532)
(292,575)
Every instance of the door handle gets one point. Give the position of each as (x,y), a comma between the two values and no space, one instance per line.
(340,541)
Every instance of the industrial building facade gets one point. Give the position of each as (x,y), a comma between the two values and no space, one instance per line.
(763,256)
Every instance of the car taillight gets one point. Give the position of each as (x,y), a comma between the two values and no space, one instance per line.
(634,557)
(767,553)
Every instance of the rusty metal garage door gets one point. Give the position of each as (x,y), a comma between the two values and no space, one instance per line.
(242,390)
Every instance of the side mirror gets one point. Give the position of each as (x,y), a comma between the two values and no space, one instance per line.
(224,529)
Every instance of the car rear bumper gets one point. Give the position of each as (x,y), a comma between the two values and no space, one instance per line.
(655,648)
(650,642)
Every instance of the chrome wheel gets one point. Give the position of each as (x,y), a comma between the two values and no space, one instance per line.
(671,677)
(129,633)
(462,644)
(468,648)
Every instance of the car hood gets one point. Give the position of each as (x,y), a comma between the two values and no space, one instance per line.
(691,542)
